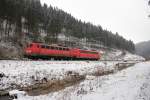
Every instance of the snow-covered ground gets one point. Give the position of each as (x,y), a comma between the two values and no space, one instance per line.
(120,55)
(110,55)
(129,84)
(130,56)
(24,73)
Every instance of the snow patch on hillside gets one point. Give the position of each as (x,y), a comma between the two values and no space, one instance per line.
(120,55)
(130,56)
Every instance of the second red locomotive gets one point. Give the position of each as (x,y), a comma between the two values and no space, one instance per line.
(43,51)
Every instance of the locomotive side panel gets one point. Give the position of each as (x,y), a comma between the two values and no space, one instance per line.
(32,49)
(54,51)
(84,54)
(47,51)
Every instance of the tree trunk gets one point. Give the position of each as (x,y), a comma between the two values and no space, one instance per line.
(1,27)
(5,31)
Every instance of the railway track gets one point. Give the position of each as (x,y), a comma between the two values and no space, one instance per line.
(24,59)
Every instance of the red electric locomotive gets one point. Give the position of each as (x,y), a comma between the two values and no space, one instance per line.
(43,51)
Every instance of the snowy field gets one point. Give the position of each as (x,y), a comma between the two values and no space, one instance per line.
(129,84)
(24,73)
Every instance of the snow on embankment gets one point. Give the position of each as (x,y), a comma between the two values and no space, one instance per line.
(26,73)
(9,51)
(130,56)
(46,74)
(120,55)
(129,84)
(110,54)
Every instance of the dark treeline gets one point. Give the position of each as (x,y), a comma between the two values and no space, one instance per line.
(29,15)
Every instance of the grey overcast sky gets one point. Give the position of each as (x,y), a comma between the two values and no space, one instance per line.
(127,17)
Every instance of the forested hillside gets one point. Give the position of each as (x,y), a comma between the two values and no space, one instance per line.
(143,49)
(19,17)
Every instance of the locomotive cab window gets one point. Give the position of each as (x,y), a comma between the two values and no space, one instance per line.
(60,48)
(47,47)
(42,46)
(63,48)
(52,47)
(67,49)
(38,46)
